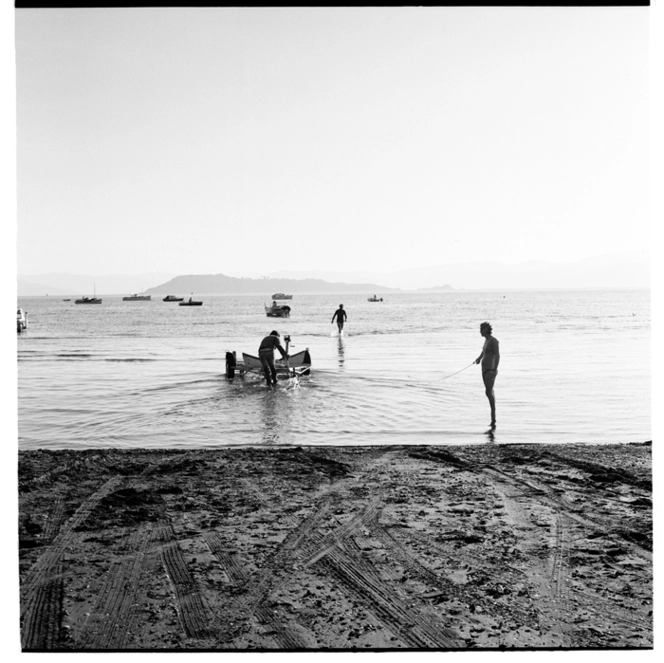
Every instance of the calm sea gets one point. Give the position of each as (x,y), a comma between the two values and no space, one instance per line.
(575,367)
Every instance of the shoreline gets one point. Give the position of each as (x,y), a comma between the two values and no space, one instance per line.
(421,547)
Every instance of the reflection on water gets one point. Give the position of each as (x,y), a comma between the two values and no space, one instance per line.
(340,351)
(276,414)
(491,434)
(271,428)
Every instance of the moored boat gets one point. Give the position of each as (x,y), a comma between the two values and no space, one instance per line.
(172,298)
(89,300)
(374,299)
(281,295)
(191,302)
(277,311)
(21,319)
(137,298)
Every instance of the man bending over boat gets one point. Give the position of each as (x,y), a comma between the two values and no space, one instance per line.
(266,355)
(340,316)
(490,359)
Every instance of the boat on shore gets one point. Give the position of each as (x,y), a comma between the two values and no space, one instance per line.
(281,295)
(21,320)
(172,298)
(137,298)
(277,311)
(191,302)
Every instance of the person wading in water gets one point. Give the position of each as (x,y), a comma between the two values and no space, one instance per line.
(490,359)
(340,316)
(266,355)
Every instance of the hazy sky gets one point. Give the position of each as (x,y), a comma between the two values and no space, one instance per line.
(234,140)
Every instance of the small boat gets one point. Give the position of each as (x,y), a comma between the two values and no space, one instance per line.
(172,298)
(66,300)
(191,302)
(374,299)
(280,295)
(277,311)
(21,319)
(293,368)
(137,298)
(89,300)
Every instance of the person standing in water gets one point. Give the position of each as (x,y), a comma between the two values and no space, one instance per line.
(340,316)
(490,359)
(266,355)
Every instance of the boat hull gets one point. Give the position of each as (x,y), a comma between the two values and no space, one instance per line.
(277,311)
(281,295)
(138,298)
(21,320)
(88,300)
(298,364)
(191,303)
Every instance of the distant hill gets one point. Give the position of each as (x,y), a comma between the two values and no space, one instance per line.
(626,269)
(30,289)
(219,284)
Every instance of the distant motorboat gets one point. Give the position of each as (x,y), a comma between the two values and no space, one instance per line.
(137,298)
(172,298)
(374,299)
(276,311)
(280,295)
(21,319)
(191,302)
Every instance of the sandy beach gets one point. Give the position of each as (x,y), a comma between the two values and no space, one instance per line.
(337,548)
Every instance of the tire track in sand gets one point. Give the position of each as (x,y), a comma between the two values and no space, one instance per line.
(560,565)
(230,563)
(42,611)
(194,616)
(414,628)
(55,519)
(42,569)
(304,537)
(546,495)
(549,577)
(110,619)
(258,587)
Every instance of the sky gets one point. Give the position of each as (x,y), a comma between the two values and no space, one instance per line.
(221,140)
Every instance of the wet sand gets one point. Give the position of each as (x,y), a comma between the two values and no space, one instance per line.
(331,548)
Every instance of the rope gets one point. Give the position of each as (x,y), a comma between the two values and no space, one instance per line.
(457,373)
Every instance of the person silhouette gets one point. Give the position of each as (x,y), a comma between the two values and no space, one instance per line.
(266,355)
(490,358)
(340,316)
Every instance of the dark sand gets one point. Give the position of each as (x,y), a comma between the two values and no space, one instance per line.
(526,546)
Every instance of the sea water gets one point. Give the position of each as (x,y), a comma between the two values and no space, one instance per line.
(575,367)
